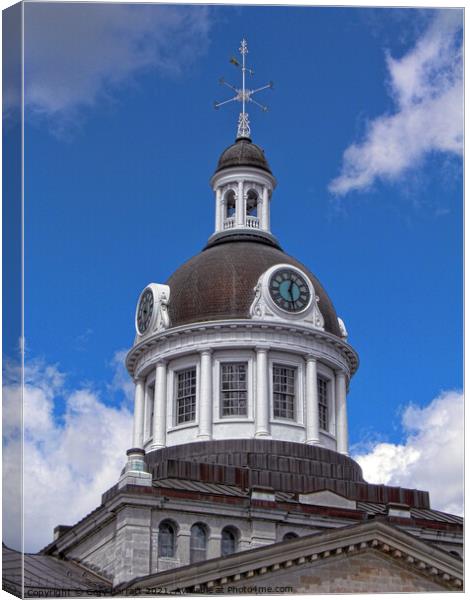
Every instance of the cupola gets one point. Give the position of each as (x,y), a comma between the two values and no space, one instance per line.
(243,185)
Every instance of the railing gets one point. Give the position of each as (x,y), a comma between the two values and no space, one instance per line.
(229,223)
(252,222)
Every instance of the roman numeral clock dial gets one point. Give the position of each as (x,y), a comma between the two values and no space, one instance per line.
(289,290)
(145,311)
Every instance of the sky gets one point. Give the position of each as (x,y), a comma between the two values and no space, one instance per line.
(364,135)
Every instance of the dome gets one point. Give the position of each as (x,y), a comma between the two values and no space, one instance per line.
(218,283)
(243,153)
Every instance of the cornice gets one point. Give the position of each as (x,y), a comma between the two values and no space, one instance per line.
(140,349)
(242,172)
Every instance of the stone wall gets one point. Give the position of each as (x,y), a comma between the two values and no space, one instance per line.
(97,551)
(366,572)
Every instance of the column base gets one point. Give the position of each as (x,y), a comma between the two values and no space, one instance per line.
(156,447)
(313,442)
(203,437)
(264,434)
(135,478)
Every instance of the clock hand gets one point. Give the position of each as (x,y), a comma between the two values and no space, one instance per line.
(291,295)
(290,291)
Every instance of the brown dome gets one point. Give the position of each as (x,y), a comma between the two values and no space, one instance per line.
(219,282)
(243,153)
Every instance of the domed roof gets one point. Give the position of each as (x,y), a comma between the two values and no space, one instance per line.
(243,153)
(218,283)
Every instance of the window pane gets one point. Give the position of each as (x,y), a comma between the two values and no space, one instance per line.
(284,392)
(233,389)
(228,542)
(323,403)
(166,540)
(198,543)
(186,395)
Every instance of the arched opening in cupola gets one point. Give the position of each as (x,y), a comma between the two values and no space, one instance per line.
(252,213)
(230,204)
(229,209)
(252,204)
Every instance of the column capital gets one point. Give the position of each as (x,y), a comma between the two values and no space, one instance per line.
(262,348)
(206,351)
(310,358)
(139,379)
(161,362)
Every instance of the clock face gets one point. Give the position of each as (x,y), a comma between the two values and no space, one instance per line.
(289,290)
(145,310)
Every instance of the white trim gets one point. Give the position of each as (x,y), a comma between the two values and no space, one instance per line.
(342,443)
(190,339)
(148,403)
(228,176)
(326,373)
(233,356)
(288,360)
(180,364)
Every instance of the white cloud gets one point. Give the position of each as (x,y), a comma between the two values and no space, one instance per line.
(77,54)
(68,463)
(430,459)
(121,382)
(426,85)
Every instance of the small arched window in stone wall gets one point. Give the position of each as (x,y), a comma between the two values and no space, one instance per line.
(252,203)
(229,204)
(198,543)
(228,542)
(166,540)
(290,535)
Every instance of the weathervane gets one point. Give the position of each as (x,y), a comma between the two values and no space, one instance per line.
(243,95)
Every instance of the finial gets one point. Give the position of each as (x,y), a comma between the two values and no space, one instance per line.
(243,94)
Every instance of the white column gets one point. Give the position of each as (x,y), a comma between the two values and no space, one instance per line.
(341,413)
(265,210)
(138,435)
(218,210)
(311,389)
(159,407)
(240,206)
(262,393)
(205,396)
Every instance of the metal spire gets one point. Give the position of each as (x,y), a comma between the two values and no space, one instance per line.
(243,95)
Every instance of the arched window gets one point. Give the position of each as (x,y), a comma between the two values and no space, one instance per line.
(229,204)
(252,204)
(290,535)
(198,543)
(166,540)
(228,543)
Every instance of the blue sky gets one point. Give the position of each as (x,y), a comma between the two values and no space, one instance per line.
(121,139)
